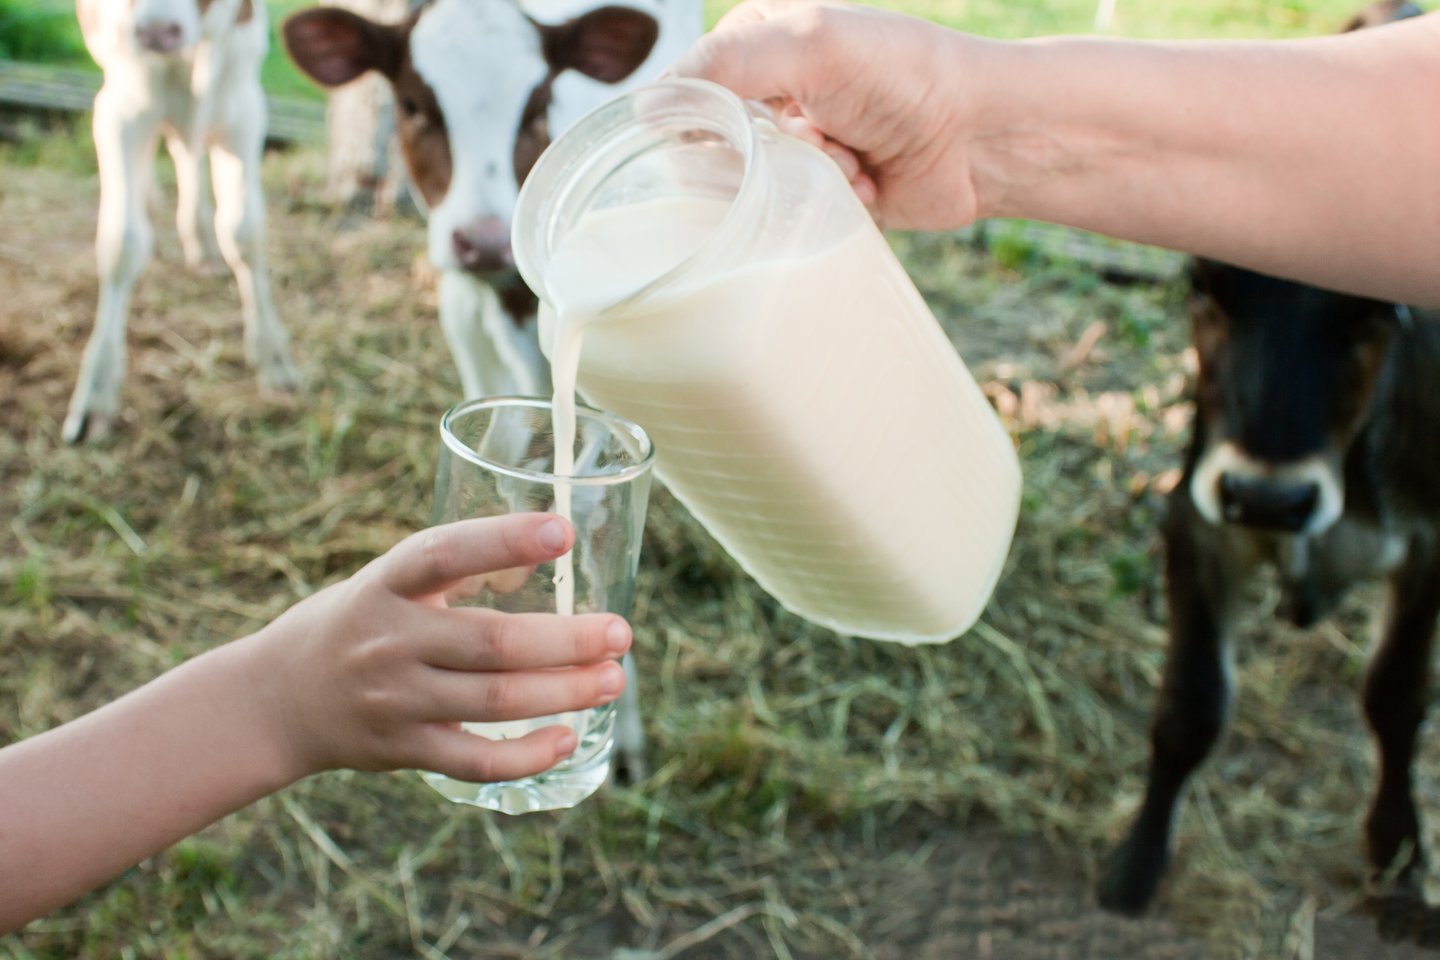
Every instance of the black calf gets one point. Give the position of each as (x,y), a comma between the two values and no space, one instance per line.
(1316,448)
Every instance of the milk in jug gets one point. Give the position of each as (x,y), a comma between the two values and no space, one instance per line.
(717,282)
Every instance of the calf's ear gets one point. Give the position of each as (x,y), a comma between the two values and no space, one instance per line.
(333,46)
(606,44)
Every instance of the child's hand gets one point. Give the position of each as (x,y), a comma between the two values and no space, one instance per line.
(377,673)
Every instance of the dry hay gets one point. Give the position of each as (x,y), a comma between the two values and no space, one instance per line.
(806,786)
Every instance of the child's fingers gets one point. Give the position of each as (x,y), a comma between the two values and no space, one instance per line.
(432,560)
(466,756)
(477,639)
(491,697)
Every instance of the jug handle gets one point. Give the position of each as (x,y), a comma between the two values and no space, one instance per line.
(763,113)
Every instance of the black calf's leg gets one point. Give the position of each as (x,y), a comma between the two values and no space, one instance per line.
(1201,575)
(1396,695)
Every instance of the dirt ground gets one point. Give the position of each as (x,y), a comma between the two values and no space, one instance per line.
(982,894)
(933,892)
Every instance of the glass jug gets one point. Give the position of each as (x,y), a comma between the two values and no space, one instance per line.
(747,313)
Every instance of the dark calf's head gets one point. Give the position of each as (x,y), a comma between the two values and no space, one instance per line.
(1380,13)
(1287,377)
(472,82)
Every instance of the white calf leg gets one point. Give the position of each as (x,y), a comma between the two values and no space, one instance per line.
(125,151)
(627,762)
(518,350)
(240,228)
(194,215)
(464,304)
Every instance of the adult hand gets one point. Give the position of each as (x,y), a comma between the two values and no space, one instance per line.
(882,93)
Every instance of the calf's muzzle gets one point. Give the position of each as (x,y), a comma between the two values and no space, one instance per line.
(1266,502)
(483,246)
(159,36)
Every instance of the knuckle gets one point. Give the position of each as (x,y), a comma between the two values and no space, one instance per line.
(502,642)
(370,656)
(815,24)
(377,707)
(500,699)
(481,766)
(437,554)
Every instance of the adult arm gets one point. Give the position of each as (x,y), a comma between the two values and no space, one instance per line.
(1317,159)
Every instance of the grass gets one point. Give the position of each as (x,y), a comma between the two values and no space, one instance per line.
(811,795)
(39,32)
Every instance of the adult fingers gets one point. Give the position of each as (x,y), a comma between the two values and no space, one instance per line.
(476,639)
(475,759)
(797,125)
(428,562)
(520,694)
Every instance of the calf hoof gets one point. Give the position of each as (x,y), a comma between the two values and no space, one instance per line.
(1429,937)
(83,425)
(1398,903)
(1131,880)
(1400,916)
(278,374)
(628,767)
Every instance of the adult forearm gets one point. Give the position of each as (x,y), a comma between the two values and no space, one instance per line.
(1314,159)
(83,802)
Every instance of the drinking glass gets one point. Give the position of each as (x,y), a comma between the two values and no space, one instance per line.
(496,457)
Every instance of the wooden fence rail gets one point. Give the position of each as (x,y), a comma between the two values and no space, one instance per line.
(68,90)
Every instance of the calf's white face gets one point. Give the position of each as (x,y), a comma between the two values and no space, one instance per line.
(167,26)
(483,61)
(472,82)
(161,27)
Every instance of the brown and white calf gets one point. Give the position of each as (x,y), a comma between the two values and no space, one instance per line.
(187,70)
(480,88)
(1314,450)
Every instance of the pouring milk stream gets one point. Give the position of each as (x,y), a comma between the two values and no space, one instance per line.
(610,255)
(718,283)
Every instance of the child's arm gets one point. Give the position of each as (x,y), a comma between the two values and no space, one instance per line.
(373,673)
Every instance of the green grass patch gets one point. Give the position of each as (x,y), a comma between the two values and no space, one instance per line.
(40,31)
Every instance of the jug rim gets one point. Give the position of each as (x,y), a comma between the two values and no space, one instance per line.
(564,164)
(645,455)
